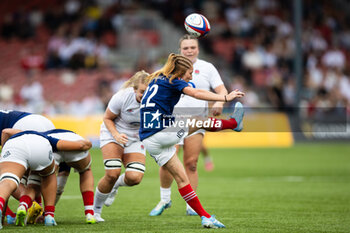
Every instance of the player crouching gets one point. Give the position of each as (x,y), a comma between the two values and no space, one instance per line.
(33,150)
(81,162)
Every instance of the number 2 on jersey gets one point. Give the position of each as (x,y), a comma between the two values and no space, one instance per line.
(154,90)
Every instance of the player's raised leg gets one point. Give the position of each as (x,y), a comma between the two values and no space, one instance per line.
(234,123)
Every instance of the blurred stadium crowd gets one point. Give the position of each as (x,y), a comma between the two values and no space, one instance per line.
(67,57)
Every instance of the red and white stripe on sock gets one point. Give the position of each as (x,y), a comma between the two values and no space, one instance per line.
(192,200)
(49,210)
(88,199)
(26,201)
(2,204)
(224,124)
(9,212)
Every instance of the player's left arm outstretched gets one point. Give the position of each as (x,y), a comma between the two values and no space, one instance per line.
(207,95)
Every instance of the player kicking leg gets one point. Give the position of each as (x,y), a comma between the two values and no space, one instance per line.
(165,158)
(235,122)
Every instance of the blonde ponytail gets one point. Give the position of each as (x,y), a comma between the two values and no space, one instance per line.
(175,67)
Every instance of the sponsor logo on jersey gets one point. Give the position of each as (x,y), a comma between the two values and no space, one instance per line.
(7,154)
(152,120)
(50,155)
(180,133)
(129,110)
(196,71)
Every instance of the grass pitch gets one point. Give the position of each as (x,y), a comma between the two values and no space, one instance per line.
(305,188)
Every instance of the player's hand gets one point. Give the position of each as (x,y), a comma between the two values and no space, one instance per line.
(234,94)
(217,108)
(121,138)
(85,144)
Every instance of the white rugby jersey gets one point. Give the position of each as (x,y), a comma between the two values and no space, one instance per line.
(205,76)
(124,104)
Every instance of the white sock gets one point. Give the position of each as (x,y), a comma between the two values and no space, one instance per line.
(188,207)
(61,183)
(165,194)
(99,200)
(120,181)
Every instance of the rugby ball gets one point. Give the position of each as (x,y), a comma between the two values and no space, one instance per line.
(197,25)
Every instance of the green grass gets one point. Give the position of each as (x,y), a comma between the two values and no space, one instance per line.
(305,188)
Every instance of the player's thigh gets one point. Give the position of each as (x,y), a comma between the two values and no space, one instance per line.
(81,165)
(192,147)
(47,170)
(135,167)
(112,159)
(112,151)
(13,168)
(134,152)
(133,157)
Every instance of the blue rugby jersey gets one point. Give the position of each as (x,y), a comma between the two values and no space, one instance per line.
(158,103)
(9,117)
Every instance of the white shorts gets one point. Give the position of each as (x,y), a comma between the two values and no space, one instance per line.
(68,156)
(161,146)
(30,150)
(131,146)
(201,131)
(34,122)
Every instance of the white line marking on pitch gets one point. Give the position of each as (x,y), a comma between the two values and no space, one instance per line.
(272,178)
(67,197)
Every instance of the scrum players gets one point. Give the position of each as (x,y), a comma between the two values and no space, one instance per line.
(163,92)
(23,121)
(33,150)
(120,143)
(81,161)
(205,77)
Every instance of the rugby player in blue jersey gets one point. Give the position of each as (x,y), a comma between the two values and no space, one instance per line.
(33,150)
(25,121)
(160,131)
